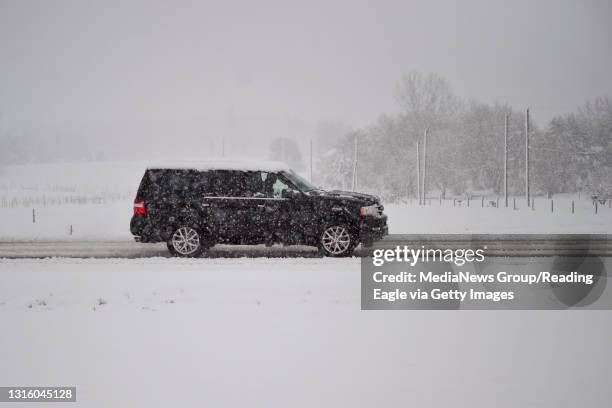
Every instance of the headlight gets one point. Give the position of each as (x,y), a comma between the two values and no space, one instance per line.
(369,210)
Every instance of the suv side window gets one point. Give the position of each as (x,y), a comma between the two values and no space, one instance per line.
(226,183)
(278,187)
(273,185)
(221,184)
(253,184)
(239,182)
(162,185)
(150,186)
(184,184)
(201,183)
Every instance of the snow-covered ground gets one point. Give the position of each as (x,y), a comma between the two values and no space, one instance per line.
(446,219)
(280,333)
(85,177)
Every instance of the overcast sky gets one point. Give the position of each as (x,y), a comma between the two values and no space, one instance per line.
(112,63)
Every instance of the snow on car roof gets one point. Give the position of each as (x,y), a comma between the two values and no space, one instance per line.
(220,164)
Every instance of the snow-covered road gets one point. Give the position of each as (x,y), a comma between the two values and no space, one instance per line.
(161,332)
(130,249)
(497,245)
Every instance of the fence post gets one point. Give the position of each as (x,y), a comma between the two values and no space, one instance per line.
(552,205)
(595,206)
(497,202)
(482,202)
(514,203)
(454,202)
(533,203)
(572,206)
(440,200)
(468,202)
(33,216)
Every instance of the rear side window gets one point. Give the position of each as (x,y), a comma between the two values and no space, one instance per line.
(201,183)
(172,185)
(252,184)
(220,184)
(226,183)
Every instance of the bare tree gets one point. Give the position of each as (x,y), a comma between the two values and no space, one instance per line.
(427,98)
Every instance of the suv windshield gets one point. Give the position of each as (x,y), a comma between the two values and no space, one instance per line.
(300,183)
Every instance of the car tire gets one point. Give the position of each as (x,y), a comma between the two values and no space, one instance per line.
(186,242)
(337,240)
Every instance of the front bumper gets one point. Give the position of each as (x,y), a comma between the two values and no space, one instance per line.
(373,228)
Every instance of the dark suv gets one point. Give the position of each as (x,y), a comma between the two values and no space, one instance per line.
(193,206)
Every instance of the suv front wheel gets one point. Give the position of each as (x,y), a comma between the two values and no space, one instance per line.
(337,240)
(186,241)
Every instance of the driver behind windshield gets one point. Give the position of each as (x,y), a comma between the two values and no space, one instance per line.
(269,184)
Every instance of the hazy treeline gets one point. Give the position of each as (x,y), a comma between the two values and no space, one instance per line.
(465,147)
(133,139)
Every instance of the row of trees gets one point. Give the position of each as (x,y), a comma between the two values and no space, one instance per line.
(465,149)
(575,151)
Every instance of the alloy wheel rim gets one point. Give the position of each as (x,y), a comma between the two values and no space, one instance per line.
(336,240)
(186,240)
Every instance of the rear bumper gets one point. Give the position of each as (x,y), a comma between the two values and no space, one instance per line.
(373,228)
(143,231)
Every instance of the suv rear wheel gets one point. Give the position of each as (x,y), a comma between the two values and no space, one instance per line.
(337,240)
(186,241)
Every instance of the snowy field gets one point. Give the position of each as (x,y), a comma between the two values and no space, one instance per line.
(280,333)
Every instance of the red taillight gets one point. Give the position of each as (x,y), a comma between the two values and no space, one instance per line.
(139,207)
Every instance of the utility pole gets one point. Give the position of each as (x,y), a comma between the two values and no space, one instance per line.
(355,164)
(527,193)
(424,189)
(506,160)
(418,172)
(311,160)
(230,126)
(282,145)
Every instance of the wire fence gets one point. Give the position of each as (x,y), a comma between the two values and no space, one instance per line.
(55,200)
(540,204)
